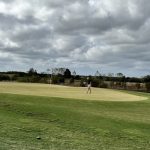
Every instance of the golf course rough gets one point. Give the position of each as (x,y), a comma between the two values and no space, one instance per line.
(48,123)
(67,92)
(29,121)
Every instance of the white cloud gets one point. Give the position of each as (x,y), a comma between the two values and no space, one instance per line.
(75,33)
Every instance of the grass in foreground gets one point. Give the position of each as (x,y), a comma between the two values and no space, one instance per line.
(71,124)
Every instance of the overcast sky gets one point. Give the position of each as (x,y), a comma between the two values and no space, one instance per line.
(83,35)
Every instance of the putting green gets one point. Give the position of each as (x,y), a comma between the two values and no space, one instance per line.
(67,92)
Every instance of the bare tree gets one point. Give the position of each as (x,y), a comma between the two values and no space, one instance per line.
(49,71)
(97,74)
(119,74)
(74,73)
(56,71)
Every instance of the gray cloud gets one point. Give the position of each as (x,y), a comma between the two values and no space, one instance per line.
(85,35)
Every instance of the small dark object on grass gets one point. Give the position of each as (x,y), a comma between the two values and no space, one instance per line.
(38,137)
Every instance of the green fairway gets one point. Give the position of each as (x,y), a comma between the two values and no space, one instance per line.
(67,92)
(72,124)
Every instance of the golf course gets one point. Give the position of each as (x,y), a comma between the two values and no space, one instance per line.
(53,117)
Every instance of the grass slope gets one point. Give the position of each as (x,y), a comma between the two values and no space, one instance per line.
(73,124)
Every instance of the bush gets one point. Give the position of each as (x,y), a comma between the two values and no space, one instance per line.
(103,85)
(57,79)
(23,79)
(112,84)
(54,79)
(83,82)
(147,86)
(138,86)
(43,80)
(147,79)
(77,77)
(71,80)
(61,79)
(4,78)
(95,82)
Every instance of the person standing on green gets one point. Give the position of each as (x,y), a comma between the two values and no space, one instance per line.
(88,86)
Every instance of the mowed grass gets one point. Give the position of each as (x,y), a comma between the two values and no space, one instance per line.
(73,124)
(67,92)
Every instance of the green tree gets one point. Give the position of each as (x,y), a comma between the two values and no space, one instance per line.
(67,73)
(32,71)
(119,74)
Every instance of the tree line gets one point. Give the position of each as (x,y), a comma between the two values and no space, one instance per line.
(65,76)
